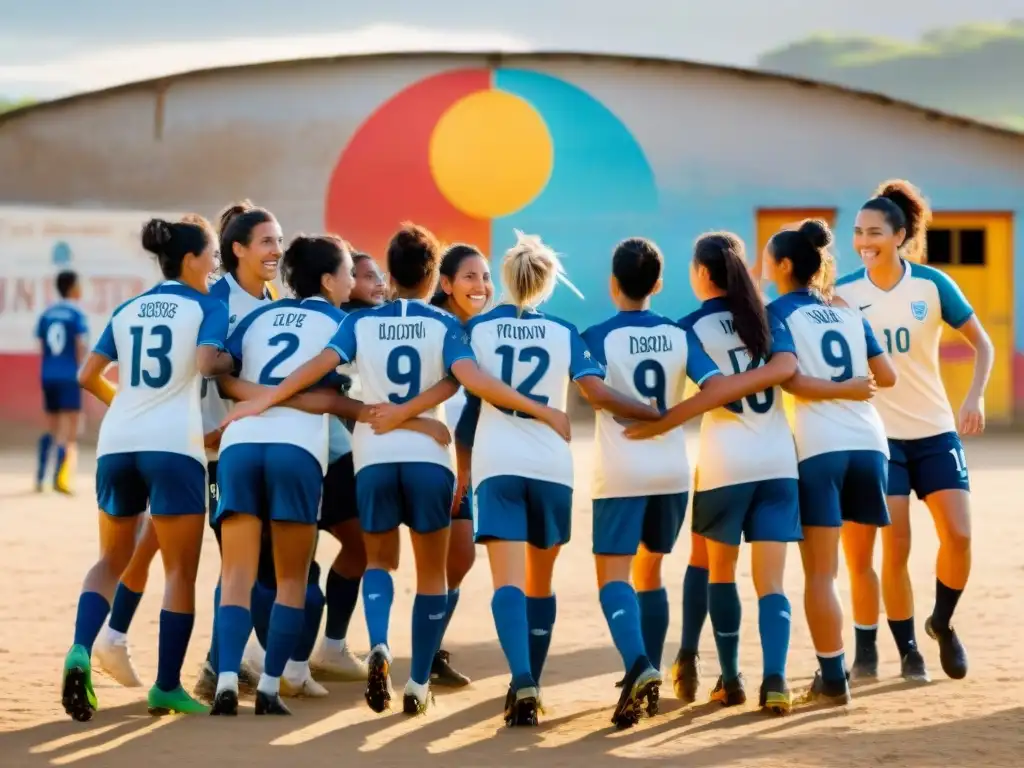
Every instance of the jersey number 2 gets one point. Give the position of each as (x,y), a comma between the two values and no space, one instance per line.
(541,362)
(290,344)
(160,353)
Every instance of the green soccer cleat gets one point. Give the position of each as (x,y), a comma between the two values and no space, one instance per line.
(176,702)
(77,695)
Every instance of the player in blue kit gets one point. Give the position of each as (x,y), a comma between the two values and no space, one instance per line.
(907,304)
(150,452)
(840,440)
(640,489)
(62,331)
(404,353)
(746,480)
(465,290)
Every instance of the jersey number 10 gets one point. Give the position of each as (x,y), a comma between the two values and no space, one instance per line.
(741,363)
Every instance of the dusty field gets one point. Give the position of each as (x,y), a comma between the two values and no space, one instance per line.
(48,542)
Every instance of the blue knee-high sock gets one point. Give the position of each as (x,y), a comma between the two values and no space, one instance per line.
(622,612)
(175,632)
(342,595)
(123,610)
(62,455)
(214,652)
(262,605)
(453,600)
(92,612)
(508,606)
(428,620)
(774,620)
(540,617)
(654,622)
(695,607)
(45,443)
(285,629)
(312,614)
(234,625)
(378,595)
(726,612)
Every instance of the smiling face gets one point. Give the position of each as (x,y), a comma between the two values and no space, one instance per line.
(370,284)
(471,290)
(874,239)
(261,257)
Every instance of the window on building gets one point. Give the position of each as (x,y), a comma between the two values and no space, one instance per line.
(949,247)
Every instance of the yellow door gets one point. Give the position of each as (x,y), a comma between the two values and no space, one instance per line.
(975,250)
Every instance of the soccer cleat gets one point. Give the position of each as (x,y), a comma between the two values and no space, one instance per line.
(417,698)
(641,684)
(339,665)
(270,704)
(835,693)
(442,672)
(865,663)
(64,488)
(686,676)
(521,706)
(175,702)
(952,653)
(729,694)
(912,668)
(378,679)
(77,695)
(775,696)
(113,657)
(225,703)
(302,685)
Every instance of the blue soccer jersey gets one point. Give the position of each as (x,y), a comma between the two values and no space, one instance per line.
(60,328)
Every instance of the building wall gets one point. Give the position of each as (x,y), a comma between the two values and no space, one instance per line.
(655,149)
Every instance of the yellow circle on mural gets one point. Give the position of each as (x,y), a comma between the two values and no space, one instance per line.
(491,154)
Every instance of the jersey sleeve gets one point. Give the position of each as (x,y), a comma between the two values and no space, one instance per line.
(955,309)
(594,340)
(234,344)
(344,340)
(81,324)
(782,339)
(106,346)
(213,330)
(456,344)
(581,360)
(465,430)
(874,348)
(699,365)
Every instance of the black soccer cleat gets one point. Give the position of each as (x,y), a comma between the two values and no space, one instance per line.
(378,681)
(686,676)
(835,693)
(442,672)
(270,704)
(225,703)
(775,696)
(641,685)
(730,693)
(913,668)
(952,653)
(865,663)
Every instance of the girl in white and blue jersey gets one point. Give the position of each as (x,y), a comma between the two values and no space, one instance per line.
(840,442)
(907,304)
(150,452)
(404,353)
(465,290)
(640,489)
(746,481)
(522,472)
(251,243)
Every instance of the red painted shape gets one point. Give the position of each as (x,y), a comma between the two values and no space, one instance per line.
(21,397)
(383,176)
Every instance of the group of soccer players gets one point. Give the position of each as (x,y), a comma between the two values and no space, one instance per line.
(335,426)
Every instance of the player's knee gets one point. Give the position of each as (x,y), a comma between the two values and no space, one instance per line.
(957,539)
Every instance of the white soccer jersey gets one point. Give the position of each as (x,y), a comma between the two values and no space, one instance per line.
(399,350)
(153,338)
(646,356)
(908,320)
(269,345)
(536,354)
(830,343)
(748,440)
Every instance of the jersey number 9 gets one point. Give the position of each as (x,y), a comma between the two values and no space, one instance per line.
(541,361)
(754,401)
(56,338)
(404,369)
(649,381)
(160,352)
(836,352)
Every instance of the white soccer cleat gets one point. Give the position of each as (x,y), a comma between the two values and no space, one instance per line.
(337,662)
(297,681)
(113,657)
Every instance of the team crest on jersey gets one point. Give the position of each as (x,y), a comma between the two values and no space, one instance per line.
(919,309)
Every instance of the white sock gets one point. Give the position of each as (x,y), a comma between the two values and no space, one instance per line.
(296,670)
(338,646)
(118,638)
(227,681)
(417,690)
(271,686)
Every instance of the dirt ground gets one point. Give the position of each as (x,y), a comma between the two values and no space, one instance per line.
(48,542)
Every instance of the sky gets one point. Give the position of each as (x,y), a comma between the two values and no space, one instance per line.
(50,48)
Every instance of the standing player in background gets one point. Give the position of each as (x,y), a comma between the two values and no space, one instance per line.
(465,290)
(405,351)
(746,480)
(150,452)
(62,331)
(840,442)
(907,303)
(522,470)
